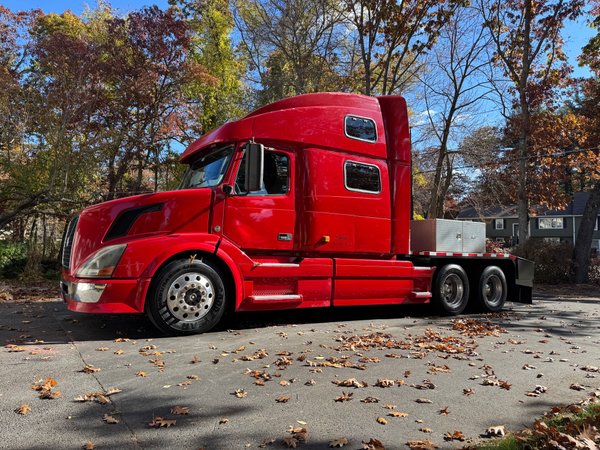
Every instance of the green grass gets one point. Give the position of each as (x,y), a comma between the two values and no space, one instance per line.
(507,443)
(563,422)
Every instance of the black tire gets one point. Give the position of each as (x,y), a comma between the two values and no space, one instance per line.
(187,297)
(491,290)
(451,290)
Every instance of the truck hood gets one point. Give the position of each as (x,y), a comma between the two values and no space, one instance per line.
(126,219)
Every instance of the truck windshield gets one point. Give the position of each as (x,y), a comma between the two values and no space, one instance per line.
(208,170)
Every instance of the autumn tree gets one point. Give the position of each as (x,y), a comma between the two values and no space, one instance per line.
(528,47)
(221,96)
(589,161)
(19,193)
(453,85)
(293,47)
(392,36)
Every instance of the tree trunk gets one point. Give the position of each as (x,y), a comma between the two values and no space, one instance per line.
(581,252)
(522,197)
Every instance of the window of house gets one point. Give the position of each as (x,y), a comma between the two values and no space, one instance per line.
(499,224)
(275,175)
(360,128)
(499,239)
(597,221)
(550,223)
(552,240)
(362,177)
(595,247)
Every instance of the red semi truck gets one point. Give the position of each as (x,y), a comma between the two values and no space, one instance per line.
(303,203)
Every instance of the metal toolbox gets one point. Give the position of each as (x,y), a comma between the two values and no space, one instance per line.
(441,235)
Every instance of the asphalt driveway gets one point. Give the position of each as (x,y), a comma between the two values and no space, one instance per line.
(307,378)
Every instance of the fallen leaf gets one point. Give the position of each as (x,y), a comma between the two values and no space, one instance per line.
(195,360)
(421,445)
(339,442)
(284,383)
(426,430)
(89,445)
(373,444)
(240,393)
(282,399)
(48,394)
(495,431)
(158,422)
(180,410)
(351,382)
(426,385)
(456,435)
(423,400)
(382,420)
(118,352)
(370,400)
(141,374)
(576,387)
(344,397)
(46,384)
(102,349)
(110,419)
(90,369)
(290,441)
(223,421)
(385,383)
(390,406)
(468,392)
(23,410)
(444,411)
(397,414)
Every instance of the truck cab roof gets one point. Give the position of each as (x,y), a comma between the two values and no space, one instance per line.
(309,120)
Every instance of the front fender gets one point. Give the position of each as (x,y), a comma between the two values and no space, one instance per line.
(144,257)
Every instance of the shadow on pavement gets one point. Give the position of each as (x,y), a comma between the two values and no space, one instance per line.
(24,323)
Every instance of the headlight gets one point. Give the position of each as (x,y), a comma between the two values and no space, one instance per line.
(102,263)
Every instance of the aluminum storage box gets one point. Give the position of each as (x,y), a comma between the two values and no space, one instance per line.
(441,235)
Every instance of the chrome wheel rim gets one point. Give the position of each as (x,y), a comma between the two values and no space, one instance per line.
(452,290)
(190,296)
(492,291)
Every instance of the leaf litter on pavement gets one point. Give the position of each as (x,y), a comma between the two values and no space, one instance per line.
(349,352)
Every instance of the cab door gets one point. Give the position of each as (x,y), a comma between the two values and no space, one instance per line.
(263,220)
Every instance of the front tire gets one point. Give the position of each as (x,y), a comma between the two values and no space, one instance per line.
(492,289)
(451,290)
(187,297)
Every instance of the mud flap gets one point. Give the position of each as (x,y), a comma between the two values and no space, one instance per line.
(523,281)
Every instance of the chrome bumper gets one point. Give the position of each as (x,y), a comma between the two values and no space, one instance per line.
(82,292)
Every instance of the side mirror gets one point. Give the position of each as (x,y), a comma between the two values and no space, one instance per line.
(254,167)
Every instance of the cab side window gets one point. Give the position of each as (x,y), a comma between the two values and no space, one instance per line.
(275,175)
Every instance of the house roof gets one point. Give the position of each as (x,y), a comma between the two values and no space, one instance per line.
(574,208)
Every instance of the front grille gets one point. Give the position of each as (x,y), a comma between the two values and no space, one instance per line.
(67,243)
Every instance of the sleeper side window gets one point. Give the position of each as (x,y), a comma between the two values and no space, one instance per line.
(362,177)
(275,175)
(360,128)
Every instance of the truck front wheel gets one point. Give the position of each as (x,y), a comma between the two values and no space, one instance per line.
(187,297)
(451,290)
(492,291)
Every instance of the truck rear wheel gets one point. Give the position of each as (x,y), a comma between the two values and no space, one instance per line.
(492,289)
(187,297)
(451,290)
